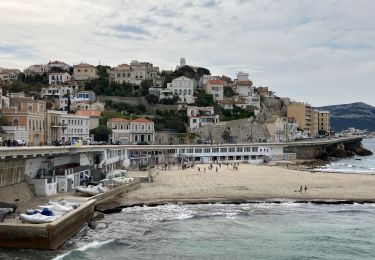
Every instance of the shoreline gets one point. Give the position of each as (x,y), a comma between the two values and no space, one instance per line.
(250,184)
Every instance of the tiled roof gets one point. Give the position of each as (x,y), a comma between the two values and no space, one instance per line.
(118,120)
(244,83)
(216,82)
(91,113)
(142,120)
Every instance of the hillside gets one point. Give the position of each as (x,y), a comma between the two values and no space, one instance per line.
(358,115)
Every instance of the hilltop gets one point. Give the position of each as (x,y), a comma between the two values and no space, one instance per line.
(358,115)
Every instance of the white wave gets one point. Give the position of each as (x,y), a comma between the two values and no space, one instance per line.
(367,171)
(93,244)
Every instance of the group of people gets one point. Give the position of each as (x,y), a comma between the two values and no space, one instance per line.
(300,190)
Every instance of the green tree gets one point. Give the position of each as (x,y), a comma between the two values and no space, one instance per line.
(152,99)
(203,99)
(145,86)
(229,92)
(3,121)
(101,133)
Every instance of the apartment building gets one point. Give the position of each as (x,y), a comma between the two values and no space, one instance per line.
(77,127)
(27,120)
(324,125)
(304,114)
(215,88)
(131,131)
(134,73)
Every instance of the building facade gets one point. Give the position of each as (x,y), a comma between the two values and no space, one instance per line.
(27,119)
(84,71)
(127,131)
(134,73)
(37,69)
(58,78)
(303,113)
(183,87)
(201,116)
(215,88)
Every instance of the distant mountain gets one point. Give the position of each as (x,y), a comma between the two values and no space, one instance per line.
(358,115)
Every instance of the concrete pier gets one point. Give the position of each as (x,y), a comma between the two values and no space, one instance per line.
(53,235)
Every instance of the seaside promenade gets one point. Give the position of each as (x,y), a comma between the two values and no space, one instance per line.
(252,183)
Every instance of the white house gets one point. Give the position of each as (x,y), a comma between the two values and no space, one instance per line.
(183,87)
(58,77)
(131,131)
(201,116)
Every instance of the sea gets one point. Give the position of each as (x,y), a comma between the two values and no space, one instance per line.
(228,231)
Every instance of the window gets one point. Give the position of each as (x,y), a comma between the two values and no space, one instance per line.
(232,150)
(207,150)
(198,150)
(189,150)
(215,150)
(15,122)
(254,149)
(239,149)
(223,150)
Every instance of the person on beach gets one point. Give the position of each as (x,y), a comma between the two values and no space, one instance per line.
(305,188)
(204,170)
(199,169)
(217,169)
(300,189)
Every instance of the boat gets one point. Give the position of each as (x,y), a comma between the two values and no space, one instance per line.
(116,174)
(57,207)
(90,190)
(8,207)
(65,203)
(122,180)
(37,218)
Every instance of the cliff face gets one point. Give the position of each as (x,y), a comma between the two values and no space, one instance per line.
(358,115)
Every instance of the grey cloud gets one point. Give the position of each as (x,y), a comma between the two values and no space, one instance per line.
(130,29)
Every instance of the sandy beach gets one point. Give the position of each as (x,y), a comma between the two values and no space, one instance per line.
(251,182)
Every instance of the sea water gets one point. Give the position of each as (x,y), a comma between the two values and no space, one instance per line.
(224,231)
(356,164)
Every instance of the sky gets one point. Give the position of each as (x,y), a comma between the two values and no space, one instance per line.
(316,51)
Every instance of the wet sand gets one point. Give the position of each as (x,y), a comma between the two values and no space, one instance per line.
(250,182)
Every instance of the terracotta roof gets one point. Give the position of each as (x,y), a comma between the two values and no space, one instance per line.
(83,65)
(91,113)
(142,120)
(225,101)
(216,82)
(118,120)
(244,83)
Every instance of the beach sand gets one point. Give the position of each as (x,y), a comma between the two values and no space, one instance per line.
(251,182)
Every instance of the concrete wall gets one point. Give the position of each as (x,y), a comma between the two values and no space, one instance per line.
(12,172)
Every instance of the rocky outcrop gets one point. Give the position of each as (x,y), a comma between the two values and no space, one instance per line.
(341,149)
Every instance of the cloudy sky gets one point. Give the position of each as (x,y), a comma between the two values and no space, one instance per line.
(317,51)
